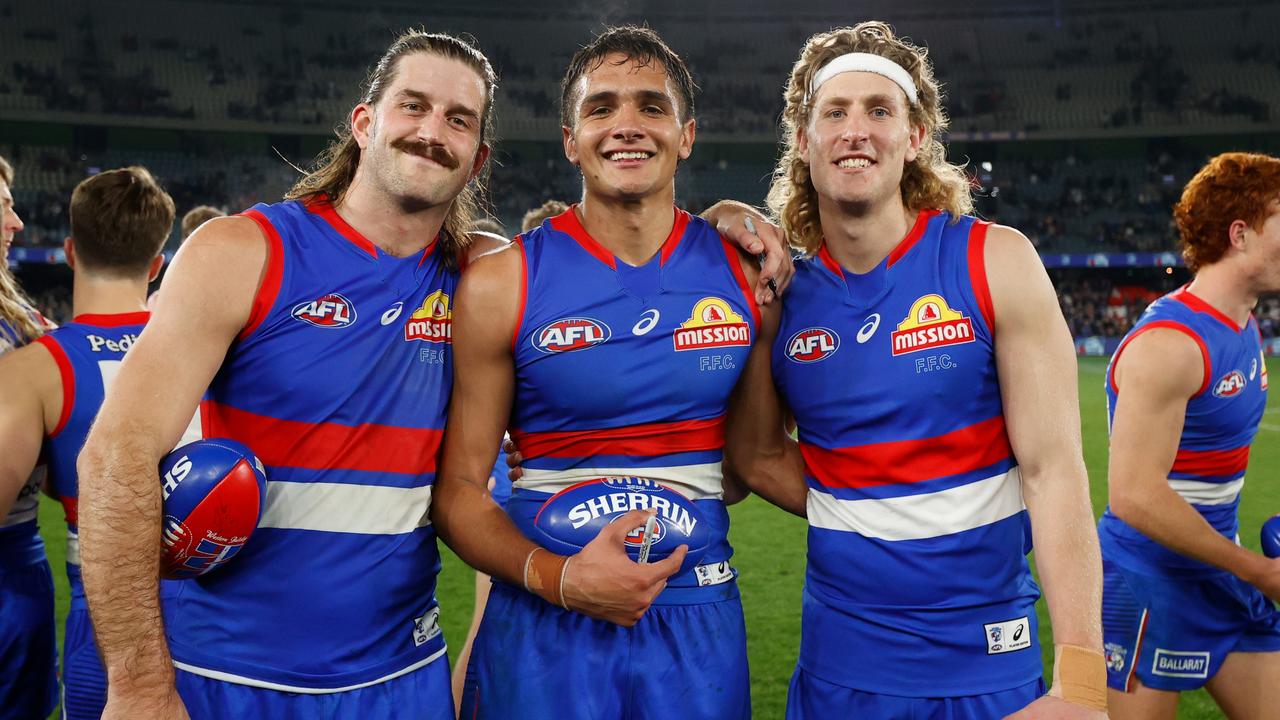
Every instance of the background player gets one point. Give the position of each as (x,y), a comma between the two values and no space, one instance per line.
(197,216)
(321,328)
(52,389)
(918,350)
(28,653)
(534,217)
(1184,606)
(631,261)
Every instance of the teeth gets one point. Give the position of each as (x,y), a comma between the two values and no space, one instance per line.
(628,155)
(854,163)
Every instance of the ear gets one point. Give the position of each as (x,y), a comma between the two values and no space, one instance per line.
(69,249)
(482,155)
(361,122)
(153,272)
(916,140)
(687,135)
(802,143)
(1237,233)
(570,145)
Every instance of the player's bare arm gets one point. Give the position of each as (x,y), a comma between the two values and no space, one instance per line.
(601,581)
(1149,415)
(757,237)
(209,292)
(759,453)
(29,382)
(1036,364)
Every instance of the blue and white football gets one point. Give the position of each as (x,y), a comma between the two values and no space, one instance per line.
(1271,537)
(574,516)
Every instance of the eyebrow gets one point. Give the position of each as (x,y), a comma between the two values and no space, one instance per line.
(611,95)
(423,98)
(872,99)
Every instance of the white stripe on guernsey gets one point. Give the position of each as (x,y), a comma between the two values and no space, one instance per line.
(73,548)
(1205,493)
(342,507)
(917,517)
(696,482)
(252,682)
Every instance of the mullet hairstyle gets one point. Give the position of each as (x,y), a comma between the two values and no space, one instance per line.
(120,220)
(16,309)
(332,172)
(1232,186)
(639,45)
(929,181)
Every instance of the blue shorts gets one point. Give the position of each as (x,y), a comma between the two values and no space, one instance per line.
(1174,633)
(28,643)
(535,661)
(84,680)
(811,698)
(424,694)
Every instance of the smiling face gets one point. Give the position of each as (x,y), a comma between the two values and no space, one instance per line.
(421,142)
(627,135)
(858,139)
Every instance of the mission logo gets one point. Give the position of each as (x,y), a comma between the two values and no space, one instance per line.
(931,324)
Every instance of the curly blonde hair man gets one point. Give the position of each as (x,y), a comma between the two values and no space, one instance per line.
(929,181)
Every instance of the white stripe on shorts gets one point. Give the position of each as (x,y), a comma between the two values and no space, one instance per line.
(928,515)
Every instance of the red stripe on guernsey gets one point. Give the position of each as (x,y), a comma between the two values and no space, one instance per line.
(1212,462)
(1171,325)
(825,256)
(71,508)
(913,236)
(1195,302)
(908,461)
(735,264)
(642,440)
(567,222)
(673,238)
(326,446)
(271,278)
(320,206)
(978,272)
(116,320)
(524,292)
(68,377)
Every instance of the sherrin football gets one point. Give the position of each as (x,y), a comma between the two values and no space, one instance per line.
(573,517)
(1271,537)
(213,492)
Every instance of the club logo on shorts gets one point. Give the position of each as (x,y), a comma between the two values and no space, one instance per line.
(568,334)
(1115,655)
(931,323)
(1007,636)
(1175,663)
(426,627)
(433,321)
(331,311)
(713,324)
(1230,385)
(812,344)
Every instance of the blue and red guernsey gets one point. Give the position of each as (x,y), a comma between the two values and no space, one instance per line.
(917,529)
(627,371)
(88,352)
(339,383)
(1222,418)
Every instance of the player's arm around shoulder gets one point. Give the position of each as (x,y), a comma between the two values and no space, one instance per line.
(30,403)
(1036,365)
(208,296)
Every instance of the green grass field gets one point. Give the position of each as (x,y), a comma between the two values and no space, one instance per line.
(770,557)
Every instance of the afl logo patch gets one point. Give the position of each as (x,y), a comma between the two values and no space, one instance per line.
(567,334)
(1230,385)
(931,323)
(712,324)
(433,321)
(812,344)
(331,311)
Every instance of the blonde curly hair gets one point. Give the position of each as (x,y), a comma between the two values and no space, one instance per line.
(929,181)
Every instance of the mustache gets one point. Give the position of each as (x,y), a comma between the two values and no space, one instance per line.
(436,153)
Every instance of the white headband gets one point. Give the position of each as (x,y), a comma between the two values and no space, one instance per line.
(865,62)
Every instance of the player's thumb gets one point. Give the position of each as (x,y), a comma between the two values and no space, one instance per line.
(671,564)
